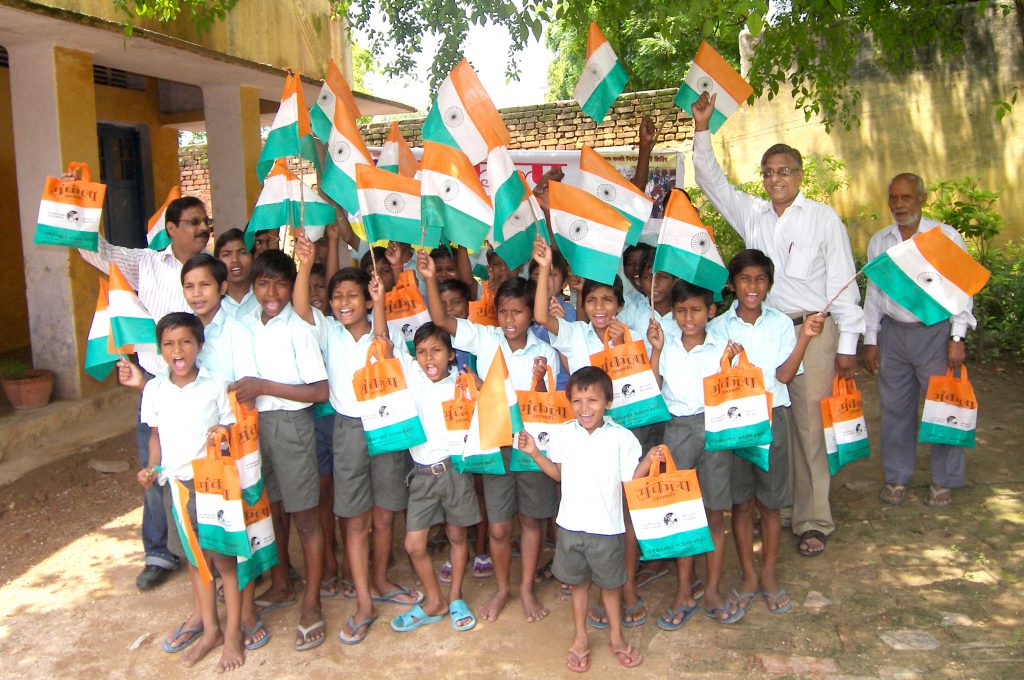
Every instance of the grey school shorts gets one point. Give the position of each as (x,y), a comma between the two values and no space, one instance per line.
(362,481)
(288,449)
(533,494)
(445,498)
(173,537)
(770,488)
(684,437)
(581,557)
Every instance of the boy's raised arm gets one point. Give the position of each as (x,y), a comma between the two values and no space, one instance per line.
(380,316)
(654,456)
(656,336)
(542,298)
(465,270)
(305,251)
(648,135)
(427,270)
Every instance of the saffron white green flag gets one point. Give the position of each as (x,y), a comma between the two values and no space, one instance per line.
(452,198)
(711,73)
(288,201)
(464,117)
(496,419)
(290,133)
(396,156)
(598,177)
(345,150)
(590,233)
(131,326)
(390,206)
(99,360)
(334,92)
(156,232)
(686,248)
(603,78)
(514,245)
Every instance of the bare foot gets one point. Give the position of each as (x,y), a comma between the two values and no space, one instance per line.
(532,608)
(233,655)
(272,596)
(196,652)
(492,608)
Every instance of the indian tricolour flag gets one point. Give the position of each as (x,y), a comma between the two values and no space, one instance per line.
(514,245)
(396,156)
(334,92)
(496,418)
(156,232)
(287,200)
(603,78)
(452,198)
(598,177)
(711,73)
(590,233)
(928,275)
(290,133)
(187,532)
(686,248)
(131,326)
(345,150)
(390,206)
(464,117)
(99,361)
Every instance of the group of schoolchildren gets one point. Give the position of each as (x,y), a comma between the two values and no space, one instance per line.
(290,339)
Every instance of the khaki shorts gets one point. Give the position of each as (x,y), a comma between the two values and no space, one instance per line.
(533,494)
(362,481)
(770,488)
(581,558)
(288,449)
(445,498)
(684,437)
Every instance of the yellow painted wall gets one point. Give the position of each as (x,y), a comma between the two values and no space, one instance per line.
(14,310)
(284,33)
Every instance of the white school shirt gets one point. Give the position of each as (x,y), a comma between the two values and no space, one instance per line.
(808,244)
(343,356)
(484,343)
(182,415)
(577,340)
(228,349)
(768,342)
(155,274)
(429,396)
(247,307)
(877,304)
(683,373)
(286,352)
(594,466)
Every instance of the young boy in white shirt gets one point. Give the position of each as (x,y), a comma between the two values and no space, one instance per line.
(591,456)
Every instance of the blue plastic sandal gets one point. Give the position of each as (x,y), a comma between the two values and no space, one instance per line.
(458,611)
(413,619)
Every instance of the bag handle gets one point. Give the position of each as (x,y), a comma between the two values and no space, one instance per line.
(742,360)
(670,465)
(963,374)
(213,448)
(551,380)
(627,337)
(86,173)
(376,350)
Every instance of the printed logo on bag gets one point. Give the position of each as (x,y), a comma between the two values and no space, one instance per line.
(544,439)
(74,190)
(382,412)
(256,513)
(670,519)
(657,489)
(947,397)
(374,385)
(734,413)
(255,543)
(399,304)
(220,518)
(532,407)
(627,390)
(951,420)
(730,385)
(72,216)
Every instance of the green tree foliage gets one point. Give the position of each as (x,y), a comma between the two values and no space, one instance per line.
(202,13)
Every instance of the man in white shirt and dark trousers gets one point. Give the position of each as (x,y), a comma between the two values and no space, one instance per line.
(156,275)
(904,354)
(808,243)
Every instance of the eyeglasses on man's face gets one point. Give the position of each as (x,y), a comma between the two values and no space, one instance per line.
(784,171)
(196,221)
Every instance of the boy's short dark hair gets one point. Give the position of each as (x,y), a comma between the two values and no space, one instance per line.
(229,236)
(517,287)
(218,270)
(492,255)
(751,258)
(455,285)
(589,286)
(180,205)
(432,330)
(366,261)
(274,264)
(442,253)
(684,290)
(642,247)
(353,274)
(647,260)
(589,376)
(180,320)
(558,262)
(318,269)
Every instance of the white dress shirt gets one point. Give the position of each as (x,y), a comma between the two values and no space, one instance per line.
(155,274)
(577,340)
(683,371)
(877,304)
(484,343)
(248,306)
(429,397)
(808,244)
(287,353)
(228,349)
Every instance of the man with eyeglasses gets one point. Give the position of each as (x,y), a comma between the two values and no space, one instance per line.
(156,275)
(808,243)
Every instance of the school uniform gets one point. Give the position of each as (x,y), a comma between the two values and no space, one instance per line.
(241,309)
(562,379)
(361,481)
(228,349)
(286,352)
(768,342)
(591,538)
(533,494)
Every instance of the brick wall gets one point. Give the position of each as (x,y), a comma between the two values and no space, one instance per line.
(195,177)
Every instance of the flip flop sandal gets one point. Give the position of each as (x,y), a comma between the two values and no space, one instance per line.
(483,567)
(458,611)
(651,576)
(893,494)
(626,656)
(329,587)
(306,643)
(392,597)
(263,606)
(697,589)
(667,621)
(193,633)
(812,533)
(565,589)
(445,575)
(355,627)
(250,633)
(939,497)
(714,615)
(774,600)
(738,598)
(582,664)
(347,589)
(413,619)
(543,575)
(632,611)
(595,621)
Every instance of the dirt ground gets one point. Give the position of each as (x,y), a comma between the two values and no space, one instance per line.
(71,550)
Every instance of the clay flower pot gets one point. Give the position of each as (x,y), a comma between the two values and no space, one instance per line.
(31,390)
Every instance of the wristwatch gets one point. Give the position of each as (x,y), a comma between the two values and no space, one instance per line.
(956,338)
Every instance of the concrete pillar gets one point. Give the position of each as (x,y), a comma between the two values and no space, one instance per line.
(233,146)
(53,106)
